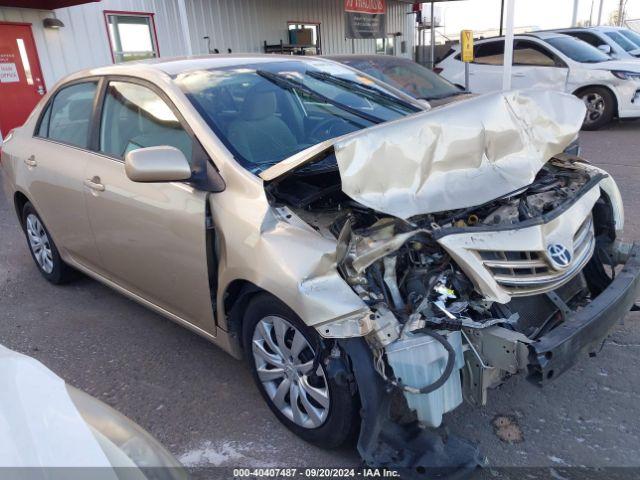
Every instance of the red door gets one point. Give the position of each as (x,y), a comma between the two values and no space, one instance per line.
(21,82)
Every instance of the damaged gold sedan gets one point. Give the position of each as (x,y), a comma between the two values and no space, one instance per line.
(377,264)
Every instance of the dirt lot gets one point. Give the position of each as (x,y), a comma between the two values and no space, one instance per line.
(202,404)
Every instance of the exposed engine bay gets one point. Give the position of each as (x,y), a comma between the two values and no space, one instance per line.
(434,316)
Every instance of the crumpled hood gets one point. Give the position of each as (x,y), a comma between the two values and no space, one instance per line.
(460,155)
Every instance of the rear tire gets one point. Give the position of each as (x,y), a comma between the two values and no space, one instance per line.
(601,106)
(278,345)
(43,250)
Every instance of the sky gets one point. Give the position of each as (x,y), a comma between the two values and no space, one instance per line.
(485,14)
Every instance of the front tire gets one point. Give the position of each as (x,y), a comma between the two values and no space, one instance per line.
(280,350)
(600,104)
(43,251)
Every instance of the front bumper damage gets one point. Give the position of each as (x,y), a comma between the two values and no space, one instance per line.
(405,447)
(584,331)
(391,439)
(445,236)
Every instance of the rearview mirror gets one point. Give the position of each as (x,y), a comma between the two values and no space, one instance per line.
(157,164)
(605,48)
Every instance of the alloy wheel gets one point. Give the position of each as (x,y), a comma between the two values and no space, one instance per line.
(284,362)
(39,243)
(595,104)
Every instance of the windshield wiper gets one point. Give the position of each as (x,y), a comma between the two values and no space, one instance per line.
(290,84)
(352,85)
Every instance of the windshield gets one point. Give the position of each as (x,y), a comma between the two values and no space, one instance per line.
(624,42)
(578,50)
(269,111)
(633,36)
(410,77)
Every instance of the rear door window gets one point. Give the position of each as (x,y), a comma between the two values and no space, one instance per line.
(489,53)
(68,117)
(134,116)
(526,52)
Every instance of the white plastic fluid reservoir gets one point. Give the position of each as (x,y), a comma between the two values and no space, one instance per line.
(419,360)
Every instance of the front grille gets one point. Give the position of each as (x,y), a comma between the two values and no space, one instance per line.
(529,272)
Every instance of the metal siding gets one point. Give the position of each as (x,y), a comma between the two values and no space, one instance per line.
(83,42)
(243,26)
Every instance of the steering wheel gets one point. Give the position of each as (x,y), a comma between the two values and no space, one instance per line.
(326,129)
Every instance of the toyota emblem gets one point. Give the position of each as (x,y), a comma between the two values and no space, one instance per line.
(560,255)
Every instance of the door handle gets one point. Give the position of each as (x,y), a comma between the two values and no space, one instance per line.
(94,184)
(31,161)
(518,74)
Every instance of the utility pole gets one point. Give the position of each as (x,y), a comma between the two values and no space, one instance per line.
(574,19)
(432,63)
(508,46)
(621,13)
(600,12)
(501,16)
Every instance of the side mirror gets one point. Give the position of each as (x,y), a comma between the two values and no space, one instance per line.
(157,164)
(605,49)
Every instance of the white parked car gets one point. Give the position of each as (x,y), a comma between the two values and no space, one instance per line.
(621,43)
(50,430)
(609,88)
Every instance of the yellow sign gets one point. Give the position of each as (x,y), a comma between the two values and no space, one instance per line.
(466,41)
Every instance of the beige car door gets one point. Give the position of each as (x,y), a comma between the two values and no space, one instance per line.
(53,169)
(152,237)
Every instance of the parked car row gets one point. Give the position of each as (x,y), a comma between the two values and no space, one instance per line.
(557,61)
(620,43)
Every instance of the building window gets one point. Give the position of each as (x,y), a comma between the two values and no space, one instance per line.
(132,36)
(386,46)
(306,36)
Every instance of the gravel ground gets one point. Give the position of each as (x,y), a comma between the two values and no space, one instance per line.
(203,406)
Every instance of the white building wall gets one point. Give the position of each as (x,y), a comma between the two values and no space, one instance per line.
(83,42)
(244,26)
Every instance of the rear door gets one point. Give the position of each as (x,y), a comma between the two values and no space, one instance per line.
(535,66)
(21,82)
(52,169)
(152,237)
(485,73)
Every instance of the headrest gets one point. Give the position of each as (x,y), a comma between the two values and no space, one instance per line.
(259,104)
(80,109)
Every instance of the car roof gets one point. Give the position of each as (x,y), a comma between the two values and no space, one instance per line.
(602,28)
(542,35)
(375,58)
(177,65)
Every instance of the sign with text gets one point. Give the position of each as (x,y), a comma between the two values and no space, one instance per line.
(365,18)
(466,42)
(9,73)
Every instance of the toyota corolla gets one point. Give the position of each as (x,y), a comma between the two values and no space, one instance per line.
(361,253)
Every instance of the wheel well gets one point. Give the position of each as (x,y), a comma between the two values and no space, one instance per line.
(587,87)
(19,201)
(236,298)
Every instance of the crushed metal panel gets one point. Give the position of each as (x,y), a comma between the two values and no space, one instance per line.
(458,156)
